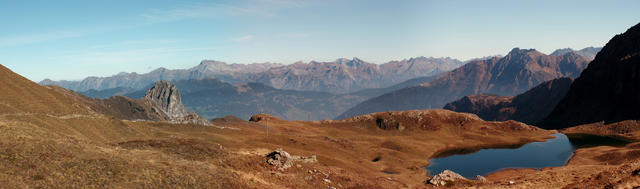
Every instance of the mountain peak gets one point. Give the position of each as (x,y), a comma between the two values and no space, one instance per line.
(518,51)
(165,97)
(560,52)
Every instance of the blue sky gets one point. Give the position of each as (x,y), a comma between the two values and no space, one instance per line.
(76,39)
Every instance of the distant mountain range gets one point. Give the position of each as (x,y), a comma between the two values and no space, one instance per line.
(234,73)
(345,76)
(589,52)
(327,89)
(530,107)
(512,74)
(608,90)
(212,98)
(338,77)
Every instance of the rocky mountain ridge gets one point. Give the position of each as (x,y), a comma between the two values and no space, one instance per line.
(345,76)
(234,73)
(340,76)
(512,74)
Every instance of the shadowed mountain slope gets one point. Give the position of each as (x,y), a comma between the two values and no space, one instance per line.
(608,90)
(530,107)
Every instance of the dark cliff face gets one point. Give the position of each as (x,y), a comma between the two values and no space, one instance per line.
(608,90)
(515,73)
(529,107)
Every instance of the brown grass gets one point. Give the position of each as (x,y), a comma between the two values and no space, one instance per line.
(51,138)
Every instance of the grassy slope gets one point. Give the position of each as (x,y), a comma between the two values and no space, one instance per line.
(50,139)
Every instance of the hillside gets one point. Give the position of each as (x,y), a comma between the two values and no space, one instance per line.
(51,148)
(515,73)
(21,96)
(530,107)
(52,138)
(58,140)
(607,89)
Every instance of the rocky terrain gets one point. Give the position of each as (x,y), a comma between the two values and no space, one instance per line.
(340,76)
(530,107)
(607,89)
(515,73)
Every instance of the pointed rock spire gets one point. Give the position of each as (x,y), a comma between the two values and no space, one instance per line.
(165,99)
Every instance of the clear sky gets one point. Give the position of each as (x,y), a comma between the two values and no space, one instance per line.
(75,39)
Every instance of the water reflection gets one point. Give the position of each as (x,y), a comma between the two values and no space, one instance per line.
(551,153)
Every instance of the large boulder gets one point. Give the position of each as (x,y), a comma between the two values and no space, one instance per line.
(283,160)
(446,177)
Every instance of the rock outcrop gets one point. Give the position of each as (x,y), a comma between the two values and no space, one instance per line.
(608,90)
(530,107)
(165,99)
(447,177)
(283,160)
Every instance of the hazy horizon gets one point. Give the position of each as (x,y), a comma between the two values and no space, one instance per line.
(74,39)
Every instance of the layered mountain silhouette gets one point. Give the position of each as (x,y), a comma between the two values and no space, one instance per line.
(340,76)
(608,90)
(512,74)
(530,107)
(213,98)
(234,73)
(345,76)
(589,52)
